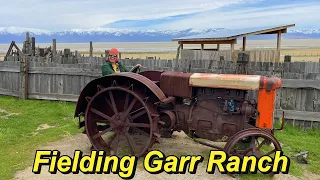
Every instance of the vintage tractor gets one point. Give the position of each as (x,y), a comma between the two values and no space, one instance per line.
(126,113)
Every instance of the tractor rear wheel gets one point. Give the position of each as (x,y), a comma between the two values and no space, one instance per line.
(120,121)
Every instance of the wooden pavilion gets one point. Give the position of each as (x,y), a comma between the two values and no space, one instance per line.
(230,36)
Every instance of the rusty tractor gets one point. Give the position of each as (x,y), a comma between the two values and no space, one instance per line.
(126,113)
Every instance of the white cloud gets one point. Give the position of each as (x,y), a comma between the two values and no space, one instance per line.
(66,14)
(70,14)
(302,14)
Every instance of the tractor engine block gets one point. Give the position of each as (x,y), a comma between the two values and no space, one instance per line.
(214,113)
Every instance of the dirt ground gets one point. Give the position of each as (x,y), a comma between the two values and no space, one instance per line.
(178,145)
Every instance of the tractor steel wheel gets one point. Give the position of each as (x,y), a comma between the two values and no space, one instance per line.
(252,141)
(120,122)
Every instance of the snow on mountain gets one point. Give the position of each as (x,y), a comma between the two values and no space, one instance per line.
(22,30)
(305,31)
(100,34)
(98,30)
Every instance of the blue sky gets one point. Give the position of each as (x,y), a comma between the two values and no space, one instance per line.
(162,14)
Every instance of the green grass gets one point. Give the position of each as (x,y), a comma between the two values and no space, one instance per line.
(19,136)
(294,141)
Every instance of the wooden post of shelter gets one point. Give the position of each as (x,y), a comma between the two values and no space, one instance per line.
(244,42)
(232,48)
(91,49)
(24,77)
(202,47)
(178,52)
(278,40)
(218,47)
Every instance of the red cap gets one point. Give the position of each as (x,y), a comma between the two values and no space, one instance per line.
(114,51)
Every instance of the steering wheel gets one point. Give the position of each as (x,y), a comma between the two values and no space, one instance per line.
(135,69)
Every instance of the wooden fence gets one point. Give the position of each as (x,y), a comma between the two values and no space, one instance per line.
(192,54)
(268,55)
(271,55)
(299,96)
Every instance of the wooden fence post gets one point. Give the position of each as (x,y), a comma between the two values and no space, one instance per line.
(91,49)
(106,52)
(24,77)
(33,46)
(242,63)
(287,58)
(54,47)
(178,51)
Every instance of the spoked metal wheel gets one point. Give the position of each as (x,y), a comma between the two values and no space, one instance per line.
(119,121)
(254,141)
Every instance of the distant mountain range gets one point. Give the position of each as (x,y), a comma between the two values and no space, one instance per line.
(7,34)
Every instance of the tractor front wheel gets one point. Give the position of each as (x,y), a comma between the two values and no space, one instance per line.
(254,141)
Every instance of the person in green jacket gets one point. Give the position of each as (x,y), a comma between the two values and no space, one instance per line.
(112,65)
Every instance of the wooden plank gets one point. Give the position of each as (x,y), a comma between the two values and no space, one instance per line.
(231,41)
(278,99)
(56,97)
(8,92)
(65,84)
(307,125)
(65,71)
(9,69)
(15,81)
(24,77)
(54,87)
(299,124)
(49,83)
(309,100)
(299,100)
(298,115)
(288,99)
(31,86)
(60,83)
(300,83)
(316,103)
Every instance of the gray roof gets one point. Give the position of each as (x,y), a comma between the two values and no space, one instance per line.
(230,34)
